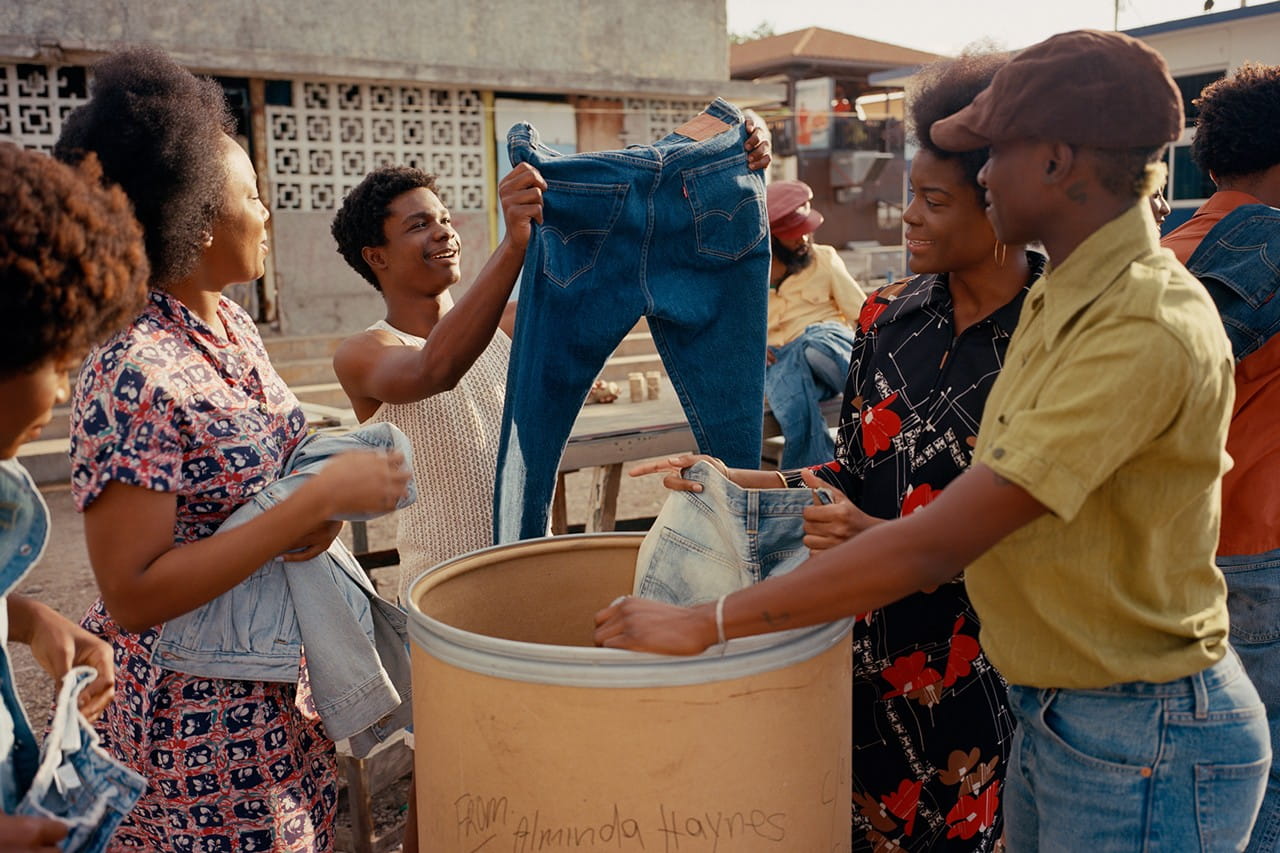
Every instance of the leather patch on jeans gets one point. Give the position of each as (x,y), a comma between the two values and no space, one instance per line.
(702,126)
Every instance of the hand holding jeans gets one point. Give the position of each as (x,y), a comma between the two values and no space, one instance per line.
(673,467)
(828,525)
(58,644)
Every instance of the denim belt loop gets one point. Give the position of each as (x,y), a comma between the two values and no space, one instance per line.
(1201,691)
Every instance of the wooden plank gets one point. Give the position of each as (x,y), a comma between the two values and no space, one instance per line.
(605,483)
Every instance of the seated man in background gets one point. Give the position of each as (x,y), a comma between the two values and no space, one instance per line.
(813,302)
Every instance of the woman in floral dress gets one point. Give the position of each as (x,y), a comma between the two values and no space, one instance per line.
(931,724)
(177,420)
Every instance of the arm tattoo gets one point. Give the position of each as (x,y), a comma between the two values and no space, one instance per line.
(775,620)
(1000,481)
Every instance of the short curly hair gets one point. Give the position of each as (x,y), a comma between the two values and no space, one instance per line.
(944,88)
(154,127)
(1238,132)
(72,265)
(358,223)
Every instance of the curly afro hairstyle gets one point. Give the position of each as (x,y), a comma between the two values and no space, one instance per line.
(72,266)
(944,88)
(358,223)
(1238,132)
(154,127)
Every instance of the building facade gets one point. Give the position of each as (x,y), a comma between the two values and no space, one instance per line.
(325,91)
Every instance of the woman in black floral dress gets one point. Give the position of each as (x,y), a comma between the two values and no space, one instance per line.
(931,726)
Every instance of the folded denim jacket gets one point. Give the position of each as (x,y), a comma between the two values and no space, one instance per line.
(1238,262)
(356,642)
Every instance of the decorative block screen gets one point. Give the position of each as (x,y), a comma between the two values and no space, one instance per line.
(35,99)
(330,135)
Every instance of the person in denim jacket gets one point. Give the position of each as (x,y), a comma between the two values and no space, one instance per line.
(1232,244)
(71,270)
(176,421)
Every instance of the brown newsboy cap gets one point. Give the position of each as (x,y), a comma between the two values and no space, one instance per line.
(1087,87)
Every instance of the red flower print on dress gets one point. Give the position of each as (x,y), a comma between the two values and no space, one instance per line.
(919,496)
(971,815)
(876,813)
(903,803)
(879,425)
(964,650)
(871,311)
(911,677)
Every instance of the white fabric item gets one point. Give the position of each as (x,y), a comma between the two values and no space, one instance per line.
(455,454)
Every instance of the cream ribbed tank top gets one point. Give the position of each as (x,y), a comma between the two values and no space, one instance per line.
(455,457)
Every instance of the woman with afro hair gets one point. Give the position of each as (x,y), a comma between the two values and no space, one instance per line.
(177,420)
(932,727)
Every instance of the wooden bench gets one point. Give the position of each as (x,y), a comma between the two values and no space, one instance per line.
(607,436)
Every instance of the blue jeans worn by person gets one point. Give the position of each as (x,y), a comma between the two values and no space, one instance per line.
(77,782)
(707,544)
(1238,262)
(1253,600)
(355,640)
(1138,766)
(675,231)
(808,370)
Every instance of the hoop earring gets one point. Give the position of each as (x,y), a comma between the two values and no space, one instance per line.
(999,252)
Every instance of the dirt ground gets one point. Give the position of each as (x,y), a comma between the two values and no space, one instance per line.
(64,580)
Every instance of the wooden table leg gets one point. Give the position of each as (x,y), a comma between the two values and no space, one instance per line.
(559,508)
(605,483)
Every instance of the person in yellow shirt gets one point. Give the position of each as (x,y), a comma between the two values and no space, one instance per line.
(813,303)
(1087,525)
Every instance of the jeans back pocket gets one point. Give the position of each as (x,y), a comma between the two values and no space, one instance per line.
(729,217)
(578,219)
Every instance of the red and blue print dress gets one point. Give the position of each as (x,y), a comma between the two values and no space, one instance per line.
(169,405)
(931,724)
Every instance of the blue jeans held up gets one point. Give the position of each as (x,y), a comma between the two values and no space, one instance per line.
(77,782)
(1253,600)
(1177,766)
(707,544)
(808,370)
(675,231)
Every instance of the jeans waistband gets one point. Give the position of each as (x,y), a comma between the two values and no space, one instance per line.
(1213,676)
(736,499)
(653,154)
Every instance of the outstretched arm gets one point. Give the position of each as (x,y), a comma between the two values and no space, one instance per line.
(374,367)
(887,562)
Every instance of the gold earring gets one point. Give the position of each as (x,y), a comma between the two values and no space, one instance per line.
(999,252)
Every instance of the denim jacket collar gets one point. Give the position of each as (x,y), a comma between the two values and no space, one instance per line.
(24,524)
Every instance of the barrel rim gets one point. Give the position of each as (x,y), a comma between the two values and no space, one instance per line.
(581,666)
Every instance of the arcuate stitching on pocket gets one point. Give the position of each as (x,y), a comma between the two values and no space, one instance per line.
(568,254)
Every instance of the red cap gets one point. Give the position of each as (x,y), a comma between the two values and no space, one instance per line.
(790,214)
(1087,87)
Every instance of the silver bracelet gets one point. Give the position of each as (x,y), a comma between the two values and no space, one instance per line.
(720,619)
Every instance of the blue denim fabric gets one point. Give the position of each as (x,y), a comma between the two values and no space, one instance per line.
(1253,600)
(78,782)
(355,640)
(808,370)
(24,528)
(675,231)
(1138,766)
(1238,262)
(707,544)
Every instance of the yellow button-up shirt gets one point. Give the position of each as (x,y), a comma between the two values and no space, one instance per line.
(1112,411)
(822,291)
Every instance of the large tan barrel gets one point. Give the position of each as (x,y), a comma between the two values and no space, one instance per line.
(528,738)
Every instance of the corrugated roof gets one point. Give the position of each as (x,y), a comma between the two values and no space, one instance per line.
(815,44)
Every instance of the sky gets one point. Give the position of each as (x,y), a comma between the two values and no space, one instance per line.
(946,26)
